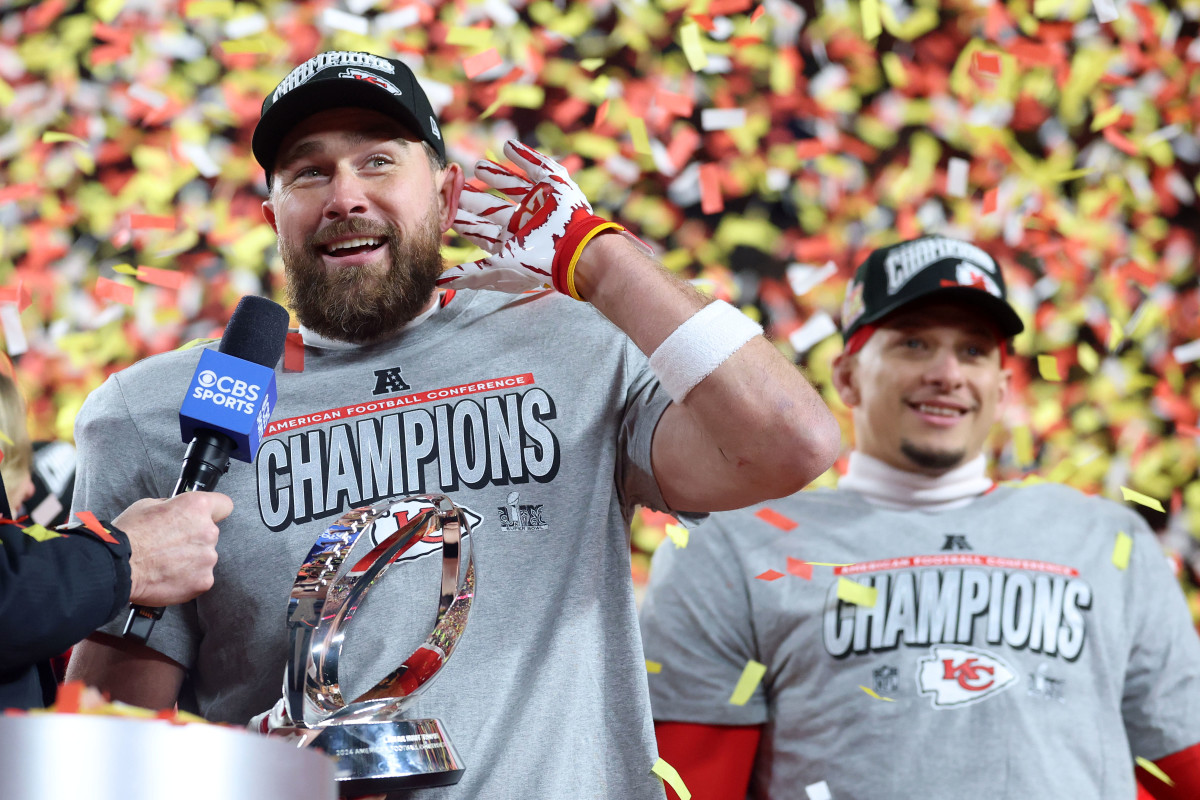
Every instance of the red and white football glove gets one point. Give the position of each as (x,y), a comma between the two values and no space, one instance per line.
(536,239)
(275,722)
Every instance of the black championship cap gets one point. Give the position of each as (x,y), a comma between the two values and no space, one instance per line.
(953,270)
(338,79)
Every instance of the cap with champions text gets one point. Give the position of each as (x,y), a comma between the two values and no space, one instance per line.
(338,79)
(953,270)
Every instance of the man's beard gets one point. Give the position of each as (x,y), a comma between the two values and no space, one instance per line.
(933,460)
(361,304)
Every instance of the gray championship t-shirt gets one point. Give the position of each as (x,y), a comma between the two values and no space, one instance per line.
(1008,655)
(535,414)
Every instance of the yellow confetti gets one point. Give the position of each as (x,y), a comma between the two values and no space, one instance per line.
(1131,496)
(670,776)
(106,10)
(591,64)
(693,49)
(752,675)
(854,592)
(53,137)
(1154,770)
(877,697)
(250,44)
(471,37)
(126,269)
(4,438)
(1048,368)
(1106,117)
(194,343)
(1071,175)
(653,667)
(872,26)
(40,533)
(1122,549)
(209,8)
(1089,359)
(893,67)
(641,140)
(678,534)
(1022,439)
(522,96)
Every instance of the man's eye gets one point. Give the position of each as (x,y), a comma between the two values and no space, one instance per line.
(379,161)
(913,343)
(307,172)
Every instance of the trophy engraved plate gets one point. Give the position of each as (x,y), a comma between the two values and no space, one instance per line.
(377,749)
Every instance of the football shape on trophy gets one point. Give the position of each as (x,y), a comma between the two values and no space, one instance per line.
(377,748)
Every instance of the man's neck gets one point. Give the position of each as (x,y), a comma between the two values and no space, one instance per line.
(888,487)
(314,339)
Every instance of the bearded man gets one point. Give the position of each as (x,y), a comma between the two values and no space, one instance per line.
(518,396)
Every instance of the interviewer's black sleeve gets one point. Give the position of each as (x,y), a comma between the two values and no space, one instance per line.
(54,593)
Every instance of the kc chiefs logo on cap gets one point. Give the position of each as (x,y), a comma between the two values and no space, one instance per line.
(959,676)
(370,78)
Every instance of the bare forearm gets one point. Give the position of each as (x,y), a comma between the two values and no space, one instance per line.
(754,429)
(127,672)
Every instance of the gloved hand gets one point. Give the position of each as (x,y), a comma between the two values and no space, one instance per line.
(275,722)
(535,241)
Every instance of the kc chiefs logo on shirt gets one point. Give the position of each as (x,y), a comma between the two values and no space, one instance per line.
(959,676)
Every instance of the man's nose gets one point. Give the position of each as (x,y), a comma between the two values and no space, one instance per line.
(347,195)
(945,369)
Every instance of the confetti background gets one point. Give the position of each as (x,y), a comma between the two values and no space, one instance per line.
(763,148)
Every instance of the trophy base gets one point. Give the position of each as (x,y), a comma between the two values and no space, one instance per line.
(379,757)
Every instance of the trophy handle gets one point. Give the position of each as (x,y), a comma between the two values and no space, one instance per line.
(317,619)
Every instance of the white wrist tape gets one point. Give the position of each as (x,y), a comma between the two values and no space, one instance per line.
(699,346)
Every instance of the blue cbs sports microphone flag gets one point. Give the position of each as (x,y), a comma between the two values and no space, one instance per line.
(231,396)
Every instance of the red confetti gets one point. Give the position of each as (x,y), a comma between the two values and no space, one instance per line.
(18,191)
(987,63)
(723,8)
(111,290)
(801,569)
(769,575)
(811,148)
(92,524)
(145,221)
(775,518)
(293,352)
(991,200)
(69,697)
(16,294)
(758,12)
(711,201)
(1120,141)
(481,63)
(166,278)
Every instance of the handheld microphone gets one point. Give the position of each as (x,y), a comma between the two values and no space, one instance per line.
(225,411)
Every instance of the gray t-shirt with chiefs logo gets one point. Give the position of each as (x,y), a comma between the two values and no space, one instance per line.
(535,414)
(1005,655)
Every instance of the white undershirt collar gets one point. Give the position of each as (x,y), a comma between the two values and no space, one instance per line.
(888,487)
(314,339)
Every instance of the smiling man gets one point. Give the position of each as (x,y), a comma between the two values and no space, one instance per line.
(975,641)
(547,389)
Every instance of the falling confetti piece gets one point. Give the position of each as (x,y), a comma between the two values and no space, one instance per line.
(801,569)
(769,575)
(876,696)
(751,676)
(671,777)
(1121,550)
(872,25)
(92,524)
(653,667)
(677,534)
(1130,496)
(1154,770)
(40,533)
(1048,368)
(772,517)
(855,593)
(476,65)
(693,49)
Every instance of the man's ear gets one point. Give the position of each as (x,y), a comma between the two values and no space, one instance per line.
(268,209)
(845,379)
(452,185)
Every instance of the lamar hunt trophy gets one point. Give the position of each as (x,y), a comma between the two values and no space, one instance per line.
(377,751)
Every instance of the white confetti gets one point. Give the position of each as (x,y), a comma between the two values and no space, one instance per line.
(1106,10)
(396,20)
(145,94)
(342,21)
(1187,353)
(200,159)
(818,327)
(248,25)
(722,119)
(14,334)
(818,791)
(803,277)
(956,177)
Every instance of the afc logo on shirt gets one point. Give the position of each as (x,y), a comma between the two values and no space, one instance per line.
(389,380)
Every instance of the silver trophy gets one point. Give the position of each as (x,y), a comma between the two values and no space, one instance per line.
(376,749)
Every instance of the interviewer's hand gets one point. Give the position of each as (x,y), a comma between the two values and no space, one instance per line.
(174,546)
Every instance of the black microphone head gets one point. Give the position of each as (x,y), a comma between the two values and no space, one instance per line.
(256,332)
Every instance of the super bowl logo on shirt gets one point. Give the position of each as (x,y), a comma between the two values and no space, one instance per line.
(959,676)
